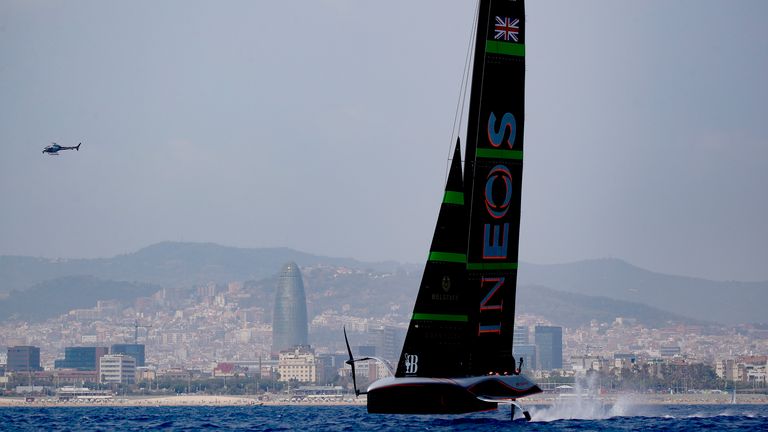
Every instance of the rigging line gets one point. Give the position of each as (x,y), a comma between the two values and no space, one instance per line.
(462,98)
(468,63)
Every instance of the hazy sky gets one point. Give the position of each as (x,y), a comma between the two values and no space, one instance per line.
(324,125)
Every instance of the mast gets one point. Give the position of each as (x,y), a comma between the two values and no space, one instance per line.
(493,179)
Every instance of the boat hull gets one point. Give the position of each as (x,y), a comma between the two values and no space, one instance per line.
(425,398)
(446,396)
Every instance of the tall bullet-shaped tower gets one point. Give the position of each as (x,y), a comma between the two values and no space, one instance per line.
(289,320)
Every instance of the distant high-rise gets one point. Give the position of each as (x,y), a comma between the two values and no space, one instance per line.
(528,354)
(522,348)
(289,320)
(23,359)
(520,336)
(134,350)
(81,358)
(549,344)
(388,341)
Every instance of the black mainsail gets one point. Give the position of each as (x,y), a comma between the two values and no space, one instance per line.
(457,355)
(463,318)
(494,168)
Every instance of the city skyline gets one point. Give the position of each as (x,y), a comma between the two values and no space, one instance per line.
(164,311)
(210,331)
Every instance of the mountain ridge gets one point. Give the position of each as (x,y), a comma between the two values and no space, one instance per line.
(61,295)
(363,294)
(727,302)
(176,264)
(168,263)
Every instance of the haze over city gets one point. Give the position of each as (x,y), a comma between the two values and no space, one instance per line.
(255,213)
(645,131)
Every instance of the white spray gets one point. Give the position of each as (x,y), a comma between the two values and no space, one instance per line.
(583,403)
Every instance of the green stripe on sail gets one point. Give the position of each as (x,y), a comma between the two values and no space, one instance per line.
(491,266)
(452,197)
(440,317)
(506,48)
(499,154)
(448,256)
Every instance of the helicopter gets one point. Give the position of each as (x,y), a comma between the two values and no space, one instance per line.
(53,149)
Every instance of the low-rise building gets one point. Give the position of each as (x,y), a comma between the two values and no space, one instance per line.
(583,363)
(75,377)
(68,393)
(145,373)
(117,369)
(726,369)
(171,374)
(298,364)
(228,369)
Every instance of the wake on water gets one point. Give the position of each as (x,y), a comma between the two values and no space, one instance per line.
(583,404)
(582,409)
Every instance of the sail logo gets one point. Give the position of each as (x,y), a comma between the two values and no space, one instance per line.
(495,247)
(497,193)
(497,204)
(411,363)
(490,303)
(506,29)
(496,136)
(498,210)
(487,303)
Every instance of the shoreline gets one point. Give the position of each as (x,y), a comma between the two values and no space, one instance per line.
(658,399)
(225,400)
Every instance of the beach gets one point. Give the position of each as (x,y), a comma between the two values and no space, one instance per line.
(179,400)
(283,400)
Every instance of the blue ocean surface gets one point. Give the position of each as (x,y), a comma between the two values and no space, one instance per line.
(355,418)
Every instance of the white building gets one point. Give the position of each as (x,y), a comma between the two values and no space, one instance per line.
(117,368)
(299,363)
(726,369)
(747,369)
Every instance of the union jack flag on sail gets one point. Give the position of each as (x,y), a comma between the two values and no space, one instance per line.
(507,28)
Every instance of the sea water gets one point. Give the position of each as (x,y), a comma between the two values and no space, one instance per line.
(355,418)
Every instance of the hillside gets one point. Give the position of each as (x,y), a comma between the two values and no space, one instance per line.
(379,294)
(726,302)
(183,265)
(574,310)
(58,296)
(360,294)
(170,264)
